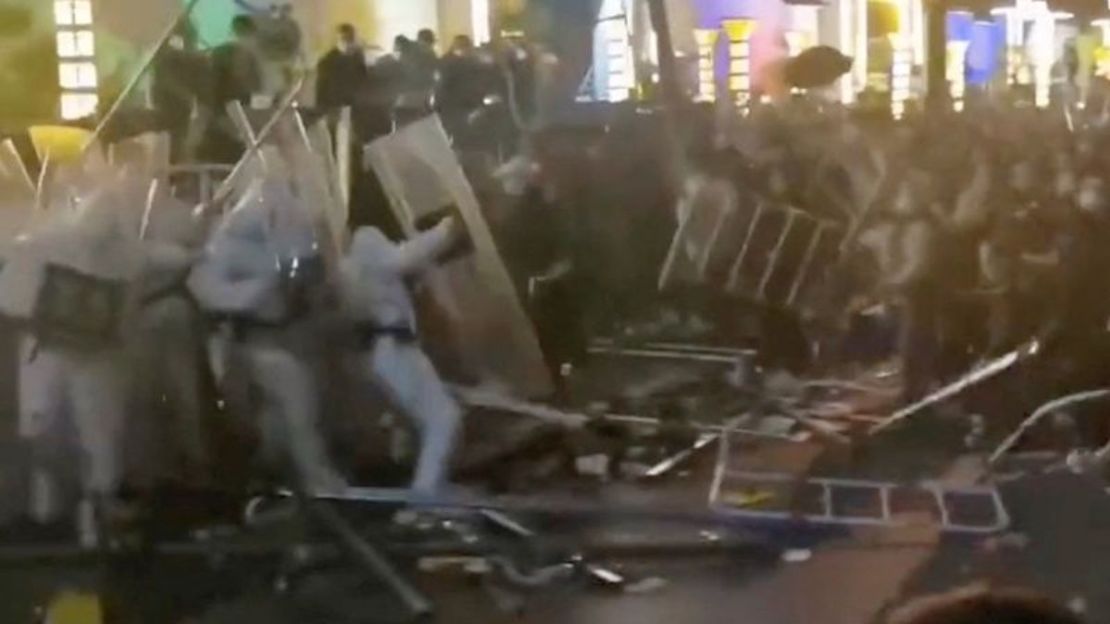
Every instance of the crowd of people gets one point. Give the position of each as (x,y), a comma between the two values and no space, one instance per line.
(966,236)
(265,60)
(969,235)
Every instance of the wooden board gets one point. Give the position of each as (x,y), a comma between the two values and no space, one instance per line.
(493,337)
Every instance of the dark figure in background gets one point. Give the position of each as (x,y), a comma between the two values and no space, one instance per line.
(520,69)
(179,77)
(427,41)
(341,75)
(460,89)
(1071,62)
(284,39)
(416,80)
(236,72)
(1016,257)
(236,77)
(905,243)
(552,246)
(1078,326)
(425,58)
(784,344)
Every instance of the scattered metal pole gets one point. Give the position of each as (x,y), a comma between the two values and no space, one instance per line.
(1038,416)
(225,189)
(367,556)
(344,139)
(976,377)
(12,162)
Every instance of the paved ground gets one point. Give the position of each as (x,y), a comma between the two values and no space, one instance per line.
(1060,543)
(1063,520)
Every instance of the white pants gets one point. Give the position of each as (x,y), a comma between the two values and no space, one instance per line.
(168,358)
(62,389)
(412,386)
(290,415)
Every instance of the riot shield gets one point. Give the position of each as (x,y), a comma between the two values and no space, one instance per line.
(488,326)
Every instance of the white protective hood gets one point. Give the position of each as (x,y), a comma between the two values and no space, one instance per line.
(247,261)
(93,232)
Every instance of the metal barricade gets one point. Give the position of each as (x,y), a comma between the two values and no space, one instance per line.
(851,502)
(780,258)
(197,183)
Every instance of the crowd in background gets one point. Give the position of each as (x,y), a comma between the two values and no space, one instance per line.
(976,232)
(265,60)
(967,236)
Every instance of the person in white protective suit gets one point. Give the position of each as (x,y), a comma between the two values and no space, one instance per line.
(258,274)
(74,371)
(166,430)
(377,299)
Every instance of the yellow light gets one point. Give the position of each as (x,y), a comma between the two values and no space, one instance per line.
(738,31)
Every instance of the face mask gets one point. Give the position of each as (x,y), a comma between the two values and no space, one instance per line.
(177,43)
(1090,201)
(343,46)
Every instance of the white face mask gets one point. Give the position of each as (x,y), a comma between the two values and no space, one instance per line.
(177,42)
(1090,201)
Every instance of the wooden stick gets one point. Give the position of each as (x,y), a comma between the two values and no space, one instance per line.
(225,189)
(343,140)
(989,371)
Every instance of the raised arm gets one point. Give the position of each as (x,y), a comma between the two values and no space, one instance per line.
(421,252)
(236,280)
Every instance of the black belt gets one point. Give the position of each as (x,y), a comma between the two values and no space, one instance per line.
(243,328)
(179,289)
(367,334)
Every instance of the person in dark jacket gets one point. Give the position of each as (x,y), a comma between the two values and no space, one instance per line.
(341,74)
(236,77)
(236,70)
(460,90)
(178,82)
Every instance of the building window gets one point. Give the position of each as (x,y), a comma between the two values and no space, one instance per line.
(77,73)
(73,12)
(78,105)
(76,44)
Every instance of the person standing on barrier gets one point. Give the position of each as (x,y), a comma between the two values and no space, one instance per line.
(236,77)
(179,78)
(341,75)
(376,298)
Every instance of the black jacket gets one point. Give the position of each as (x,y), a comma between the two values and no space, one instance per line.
(340,79)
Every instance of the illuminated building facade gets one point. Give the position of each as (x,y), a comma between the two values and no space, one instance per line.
(77,69)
